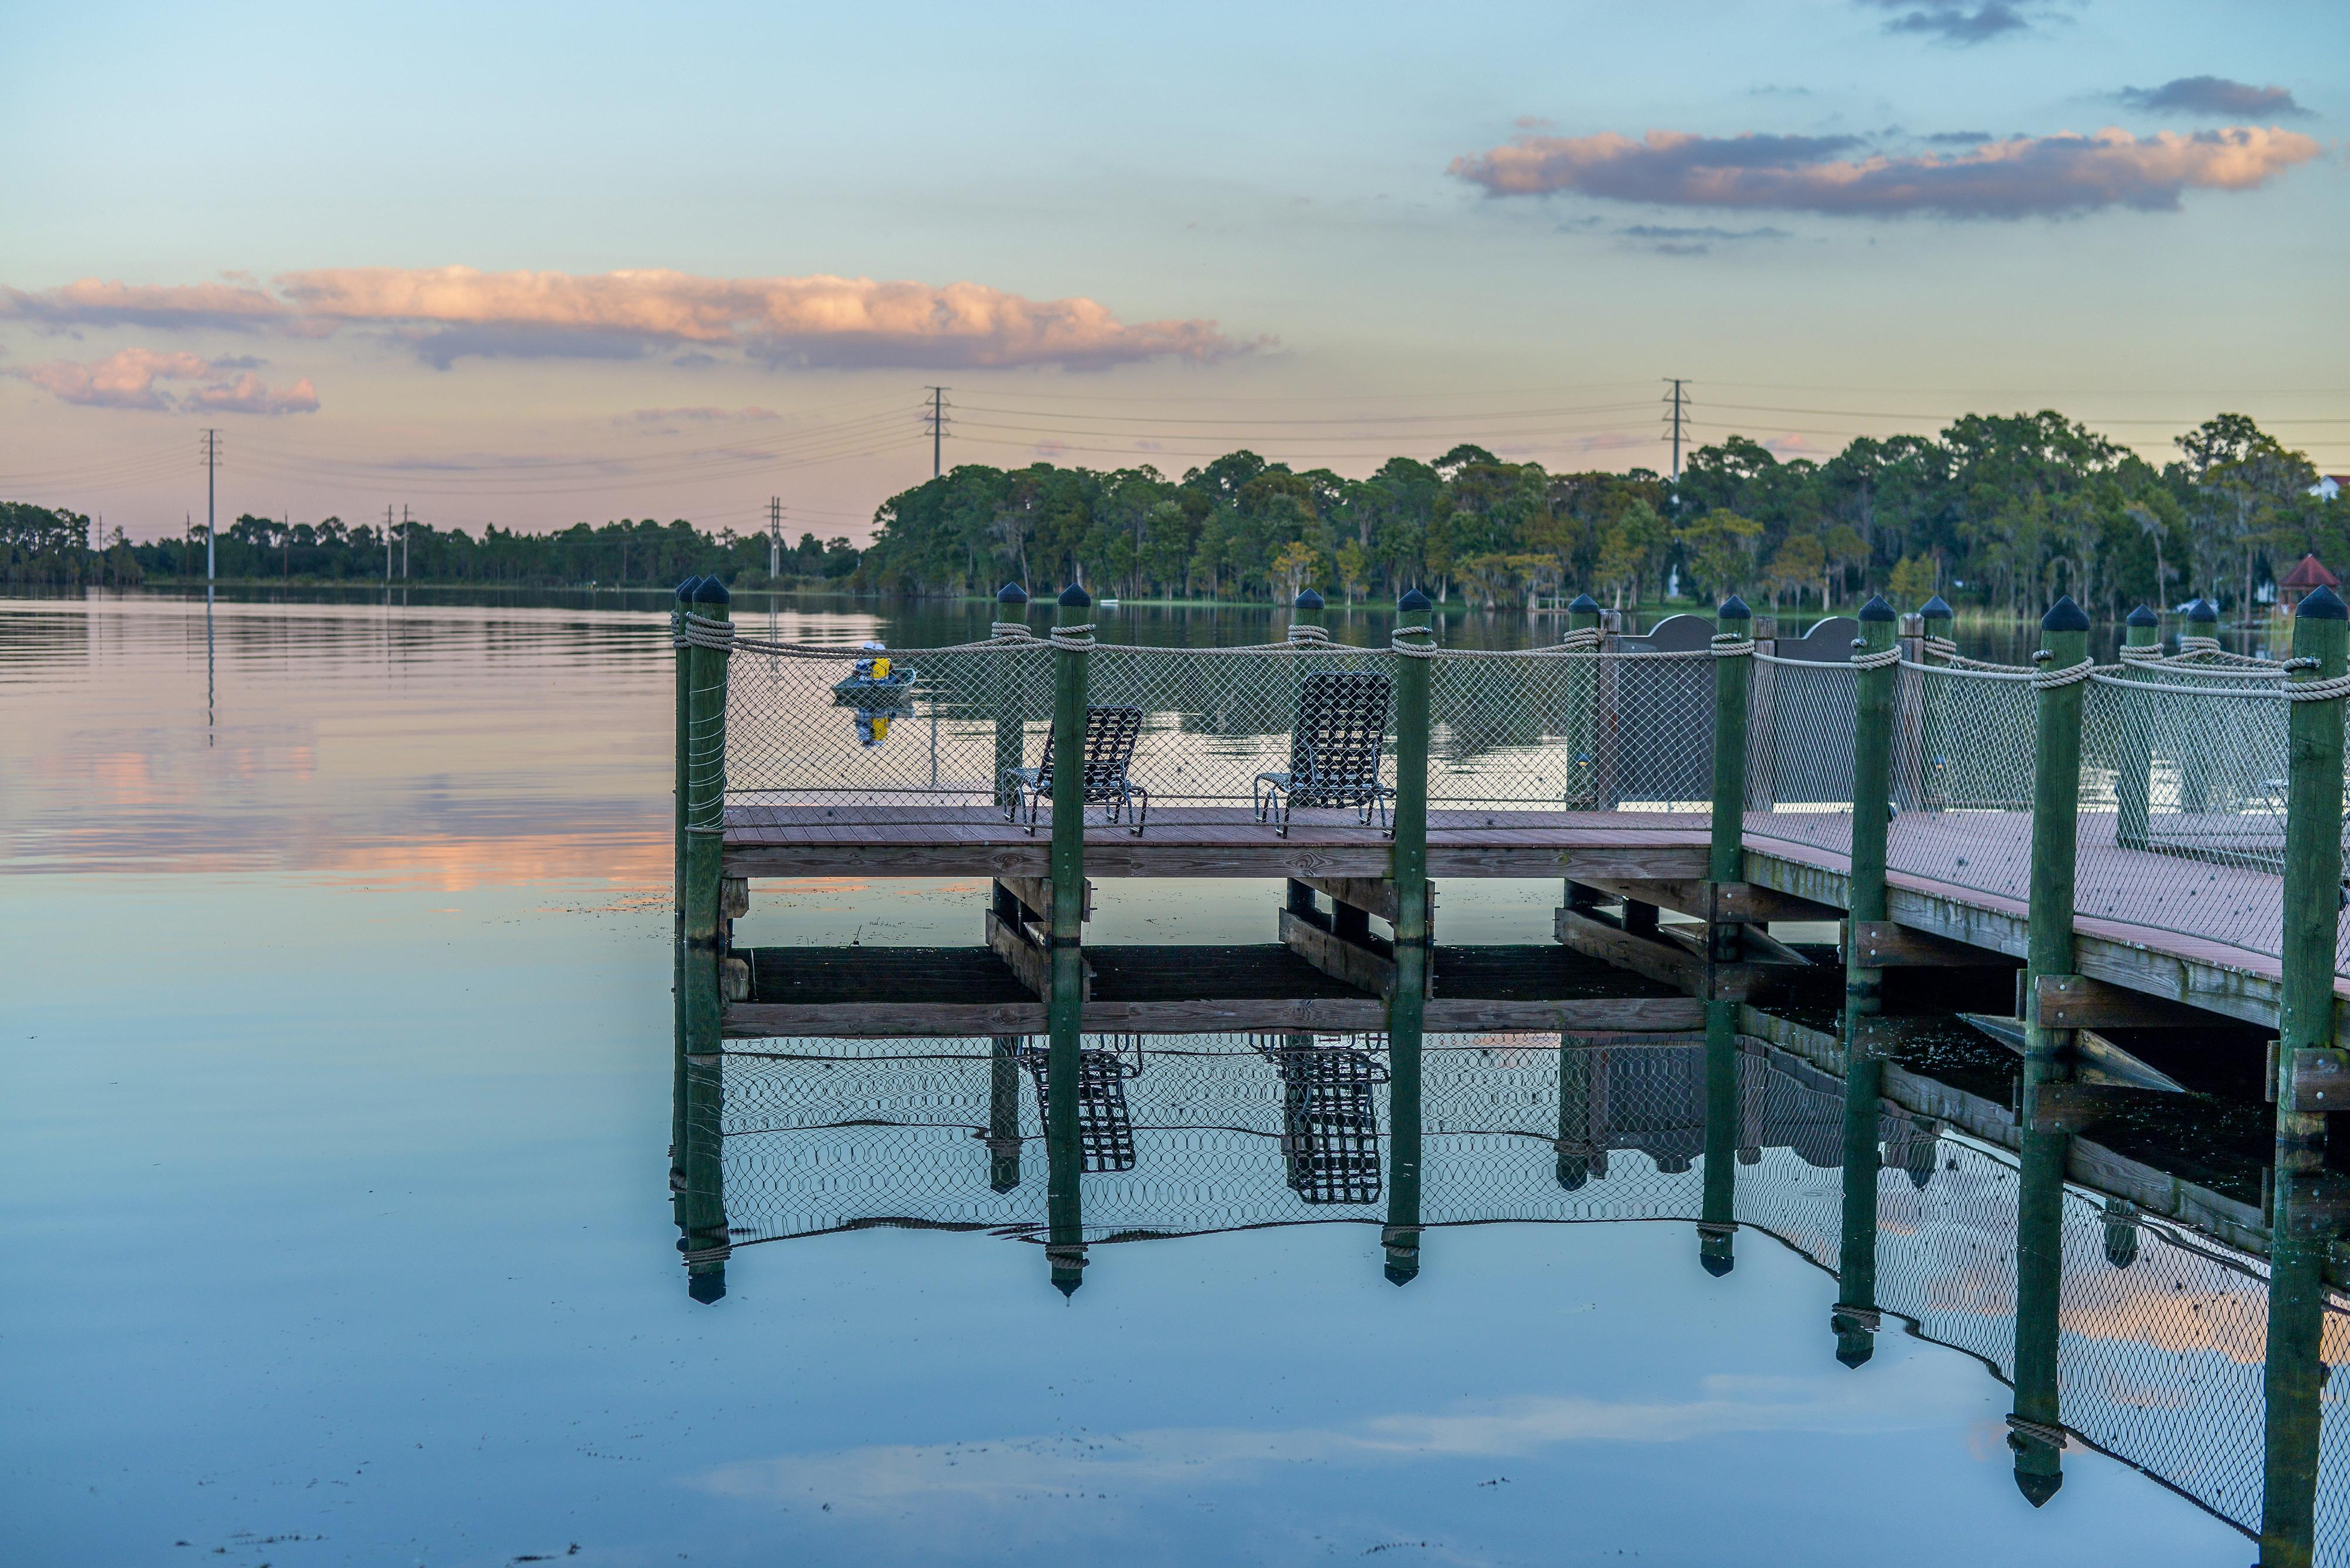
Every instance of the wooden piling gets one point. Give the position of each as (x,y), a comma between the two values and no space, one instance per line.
(1008,690)
(705,826)
(1854,1316)
(703,1241)
(1072,636)
(1716,1226)
(1583,705)
(2036,1424)
(1305,611)
(2133,766)
(1003,1111)
(1413,643)
(2302,1222)
(1876,674)
(678,608)
(1733,671)
(2194,774)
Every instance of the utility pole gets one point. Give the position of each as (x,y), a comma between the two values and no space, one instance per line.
(936,418)
(387,544)
(1679,407)
(212,470)
(774,538)
(403,544)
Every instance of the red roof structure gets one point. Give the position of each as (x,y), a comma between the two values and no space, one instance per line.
(2308,573)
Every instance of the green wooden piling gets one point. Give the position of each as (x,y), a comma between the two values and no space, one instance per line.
(1009,691)
(1854,1318)
(2134,764)
(683,602)
(1305,610)
(2195,780)
(1412,642)
(676,880)
(1876,673)
(1733,671)
(2048,1053)
(1003,1111)
(705,827)
(1072,636)
(2300,1229)
(1576,1158)
(700,1184)
(1716,1226)
(1583,705)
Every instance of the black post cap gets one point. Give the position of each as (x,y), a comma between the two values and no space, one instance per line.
(706,1289)
(2323,604)
(1935,608)
(685,590)
(1718,1265)
(1075,597)
(1067,1282)
(2037,1489)
(1308,599)
(1012,593)
(711,591)
(1584,603)
(1413,599)
(2064,615)
(2203,609)
(1732,609)
(2142,616)
(1854,1344)
(1877,609)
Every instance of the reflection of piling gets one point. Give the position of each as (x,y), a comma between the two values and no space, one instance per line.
(1733,671)
(1876,670)
(2134,761)
(683,724)
(1716,1229)
(1582,704)
(1007,696)
(702,922)
(2036,1423)
(1855,1318)
(700,1181)
(1072,636)
(1413,643)
(2303,1219)
(1003,1111)
(1582,1153)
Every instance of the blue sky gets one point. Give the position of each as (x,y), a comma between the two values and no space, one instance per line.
(1406,229)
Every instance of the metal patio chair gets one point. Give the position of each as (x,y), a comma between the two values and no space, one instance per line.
(1334,749)
(1110,733)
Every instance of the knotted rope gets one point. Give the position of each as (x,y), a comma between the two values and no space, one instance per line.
(2149,654)
(1882,658)
(1732,645)
(1581,639)
(2054,680)
(1940,648)
(1716,1226)
(2313,690)
(701,631)
(1076,639)
(1424,648)
(1010,632)
(2039,1431)
(2199,645)
(1301,633)
(1867,1318)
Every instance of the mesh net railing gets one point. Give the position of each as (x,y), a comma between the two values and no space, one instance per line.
(2162,1333)
(1544,730)
(1799,728)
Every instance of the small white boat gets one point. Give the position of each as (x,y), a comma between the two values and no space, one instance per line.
(1107,601)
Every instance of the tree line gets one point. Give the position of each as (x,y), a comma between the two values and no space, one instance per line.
(2001,512)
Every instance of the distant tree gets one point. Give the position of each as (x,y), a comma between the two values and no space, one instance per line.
(1721,546)
(1913,581)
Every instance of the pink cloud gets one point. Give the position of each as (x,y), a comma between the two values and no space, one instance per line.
(2022,176)
(449,313)
(246,395)
(127,379)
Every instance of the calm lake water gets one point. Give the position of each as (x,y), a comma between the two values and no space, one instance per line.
(336,1225)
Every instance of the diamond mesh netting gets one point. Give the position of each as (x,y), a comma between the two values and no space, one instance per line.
(1799,726)
(2162,1332)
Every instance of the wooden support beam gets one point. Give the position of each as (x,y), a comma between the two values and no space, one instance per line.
(2067,1107)
(1367,965)
(1635,862)
(1372,895)
(1671,956)
(1741,903)
(1035,895)
(1882,944)
(1030,959)
(2077,1001)
(2321,1081)
(733,896)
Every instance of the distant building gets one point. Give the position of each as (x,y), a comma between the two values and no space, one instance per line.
(2330,486)
(2307,572)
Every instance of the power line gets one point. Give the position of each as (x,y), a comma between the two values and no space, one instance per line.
(774,537)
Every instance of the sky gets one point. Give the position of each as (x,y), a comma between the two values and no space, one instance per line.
(534,265)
